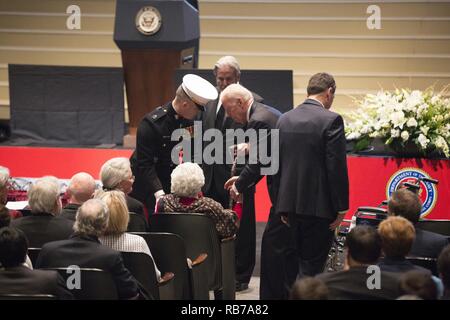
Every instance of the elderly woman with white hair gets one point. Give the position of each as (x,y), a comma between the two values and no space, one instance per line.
(116,174)
(187,180)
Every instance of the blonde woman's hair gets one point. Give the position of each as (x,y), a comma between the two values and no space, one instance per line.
(118,211)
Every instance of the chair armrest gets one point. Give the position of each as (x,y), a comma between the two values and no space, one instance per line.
(166,278)
(199,260)
(232,238)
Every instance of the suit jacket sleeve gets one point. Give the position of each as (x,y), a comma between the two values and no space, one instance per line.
(336,164)
(126,284)
(251,174)
(146,152)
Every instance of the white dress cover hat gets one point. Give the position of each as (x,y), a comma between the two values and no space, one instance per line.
(198,89)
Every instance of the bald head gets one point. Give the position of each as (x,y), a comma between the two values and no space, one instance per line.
(236,101)
(81,188)
(92,218)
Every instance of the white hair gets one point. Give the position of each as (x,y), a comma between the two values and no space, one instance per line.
(236,91)
(187,180)
(114,171)
(43,195)
(228,61)
(92,218)
(4,176)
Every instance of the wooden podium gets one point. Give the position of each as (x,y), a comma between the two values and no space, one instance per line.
(156,38)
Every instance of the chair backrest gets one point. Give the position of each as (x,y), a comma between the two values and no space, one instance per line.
(142,268)
(137,223)
(200,236)
(27,297)
(95,284)
(437,226)
(33,254)
(427,263)
(169,252)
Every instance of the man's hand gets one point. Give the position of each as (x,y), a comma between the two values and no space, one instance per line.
(239,150)
(230,182)
(336,223)
(285,220)
(234,194)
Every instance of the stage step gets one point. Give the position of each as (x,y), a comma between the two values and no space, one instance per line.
(412,49)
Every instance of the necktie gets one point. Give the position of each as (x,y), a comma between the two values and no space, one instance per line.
(219,118)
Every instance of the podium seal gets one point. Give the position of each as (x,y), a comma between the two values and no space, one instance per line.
(148,20)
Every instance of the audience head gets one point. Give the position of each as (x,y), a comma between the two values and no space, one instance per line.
(116,174)
(363,246)
(309,288)
(397,236)
(5,217)
(236,100)
(227,71)
(4,177)
(406,204)
(443,264)
(118,212)
(92,218)
(44,196)
(187,180)
(81,188)
(418,283)
(13,247)
(322,87)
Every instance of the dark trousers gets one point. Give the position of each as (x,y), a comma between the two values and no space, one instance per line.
(313,243)
(279,265)
(246,240)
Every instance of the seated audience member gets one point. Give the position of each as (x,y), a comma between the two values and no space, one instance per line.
(309,288)
(4,177)
(363,248)
(5,218)
(42,225)
(81,188)
(444,271)
(187,180)
(416,283)
(115,235)
(84,249)
(407,204)
(15,278)
(397,235)
(116,174)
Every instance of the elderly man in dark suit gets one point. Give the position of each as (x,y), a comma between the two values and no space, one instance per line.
(44,224)
(81,188)
(83,249)
(16,278)
(227,71)
(259,119)
(407,204)
(313,187)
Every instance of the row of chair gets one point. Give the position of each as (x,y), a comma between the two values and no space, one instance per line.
(188,251)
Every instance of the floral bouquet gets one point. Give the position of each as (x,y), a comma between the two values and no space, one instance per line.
(402,118)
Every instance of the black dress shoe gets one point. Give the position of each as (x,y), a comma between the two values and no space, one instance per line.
(240,286)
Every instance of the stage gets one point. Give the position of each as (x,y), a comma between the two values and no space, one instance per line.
(372,178)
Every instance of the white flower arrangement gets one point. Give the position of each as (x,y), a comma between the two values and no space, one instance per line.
(402,117)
